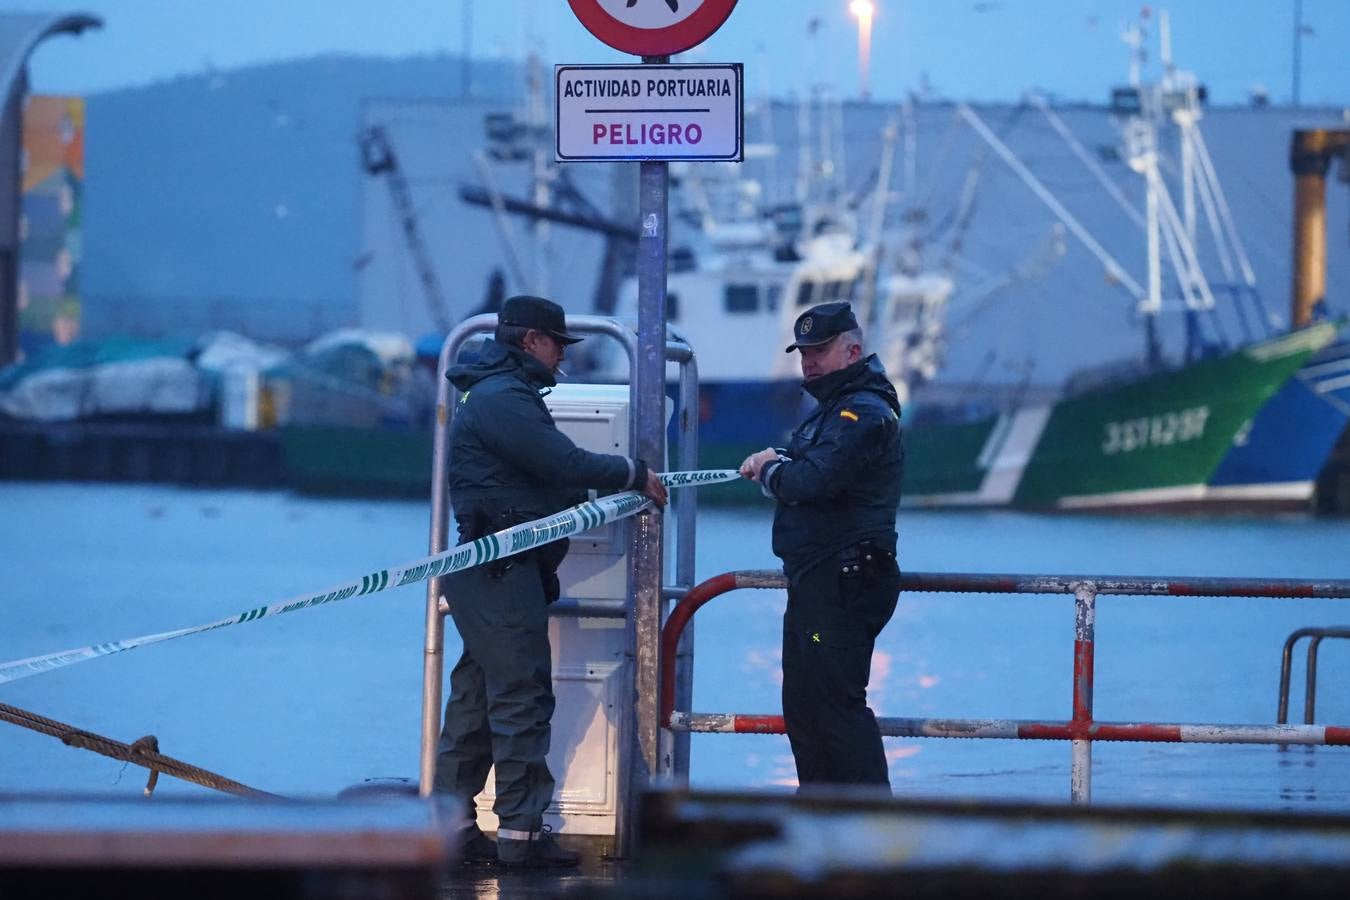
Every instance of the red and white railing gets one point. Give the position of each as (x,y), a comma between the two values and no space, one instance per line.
(1081,729)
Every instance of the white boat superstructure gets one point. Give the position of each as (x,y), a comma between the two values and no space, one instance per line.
(910,326)
(736,292)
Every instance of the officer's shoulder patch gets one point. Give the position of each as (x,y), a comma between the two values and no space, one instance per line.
(848,414)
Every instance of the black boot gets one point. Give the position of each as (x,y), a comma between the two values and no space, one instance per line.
(539,851)
(477,848)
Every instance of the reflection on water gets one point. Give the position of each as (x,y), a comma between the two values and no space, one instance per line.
(1298,775)
(313,702)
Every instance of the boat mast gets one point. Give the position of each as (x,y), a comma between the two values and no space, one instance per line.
(1142,153)
(806,163)
(874,243)
(506,233)
(1183,98)
(378,158)
(911,148)
(541,172)
(523,138)
(805,160)
(1184,118)
(1141,109)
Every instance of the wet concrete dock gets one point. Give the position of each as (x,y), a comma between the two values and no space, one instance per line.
(744,844)
(729,844)
(206,847)
(594,878)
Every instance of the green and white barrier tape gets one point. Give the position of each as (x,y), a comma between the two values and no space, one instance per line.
(507,542)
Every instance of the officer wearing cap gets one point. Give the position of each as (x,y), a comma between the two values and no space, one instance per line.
(509,464)
(837,484)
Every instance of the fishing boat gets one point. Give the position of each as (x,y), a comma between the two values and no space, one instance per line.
(748,269)
(754,245)
(1151,442)
(1280,456)
(1298,446)
(1247,425)
(745,264)
(354,411)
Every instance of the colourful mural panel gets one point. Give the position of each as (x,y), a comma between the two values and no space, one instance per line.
(50,230)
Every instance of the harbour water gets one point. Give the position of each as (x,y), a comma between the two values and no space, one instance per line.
(309,703)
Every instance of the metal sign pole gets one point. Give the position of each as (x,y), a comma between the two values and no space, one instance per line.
(649,373)
(645,117)
(11,207)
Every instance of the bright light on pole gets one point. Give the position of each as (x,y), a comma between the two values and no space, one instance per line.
(862,10)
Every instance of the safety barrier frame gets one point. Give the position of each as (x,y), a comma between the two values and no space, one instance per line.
(1080,730)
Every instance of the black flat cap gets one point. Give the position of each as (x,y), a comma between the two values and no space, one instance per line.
(822,323)
(537,313)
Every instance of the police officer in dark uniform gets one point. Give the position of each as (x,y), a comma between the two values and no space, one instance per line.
(509,464)
(837,485)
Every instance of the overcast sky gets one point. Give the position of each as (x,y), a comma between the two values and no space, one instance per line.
(968,49)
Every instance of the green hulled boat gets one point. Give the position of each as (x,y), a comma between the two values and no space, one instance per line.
(343,460)
(1149,443)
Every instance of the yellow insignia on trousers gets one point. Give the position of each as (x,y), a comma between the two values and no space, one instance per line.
(465,398)
(815,637)
(848,414)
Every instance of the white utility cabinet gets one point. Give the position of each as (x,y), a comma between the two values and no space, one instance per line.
(590,677)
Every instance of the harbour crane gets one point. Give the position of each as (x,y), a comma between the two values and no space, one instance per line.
(378,158)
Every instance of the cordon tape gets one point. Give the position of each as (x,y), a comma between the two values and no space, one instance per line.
(507,542)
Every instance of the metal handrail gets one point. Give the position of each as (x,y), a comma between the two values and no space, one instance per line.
(1081,730)
(1315,636)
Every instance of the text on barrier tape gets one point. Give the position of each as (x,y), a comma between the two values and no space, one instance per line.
(507,542)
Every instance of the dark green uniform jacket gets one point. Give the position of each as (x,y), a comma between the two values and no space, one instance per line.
(508,462)
(840,482)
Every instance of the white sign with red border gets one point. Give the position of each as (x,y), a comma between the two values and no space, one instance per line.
(652,27)
(651,112)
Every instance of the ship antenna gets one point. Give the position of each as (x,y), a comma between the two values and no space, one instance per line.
(1165,41)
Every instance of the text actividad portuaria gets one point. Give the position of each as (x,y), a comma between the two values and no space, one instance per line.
(655,87)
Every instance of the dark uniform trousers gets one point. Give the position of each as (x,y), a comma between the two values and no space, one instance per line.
(834,615)
(501,693)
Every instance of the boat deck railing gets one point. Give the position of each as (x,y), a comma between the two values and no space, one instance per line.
(1081,729)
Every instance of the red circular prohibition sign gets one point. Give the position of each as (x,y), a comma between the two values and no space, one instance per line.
(689,32)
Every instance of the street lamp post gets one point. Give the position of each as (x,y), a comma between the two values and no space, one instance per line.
(862,10)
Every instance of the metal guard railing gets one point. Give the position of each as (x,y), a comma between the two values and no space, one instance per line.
(1315,637)
(1081,729)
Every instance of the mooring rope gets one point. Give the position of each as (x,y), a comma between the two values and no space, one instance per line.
(143,752)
